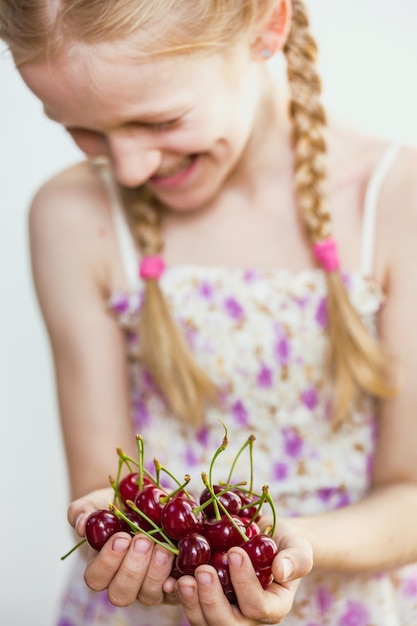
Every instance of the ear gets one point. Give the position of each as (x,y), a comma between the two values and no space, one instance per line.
(272,34)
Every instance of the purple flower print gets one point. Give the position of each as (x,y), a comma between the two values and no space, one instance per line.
(203,436)
(310,399)
(190,458)
(240,414)
(324,598)
(140,414)
(234,309)
(119,303)
(321,313)
(410,587)
(356,615)
(206,290)
(250,276)
(282,351)
(293,443)
(265,377)
(280,471)
(64,621)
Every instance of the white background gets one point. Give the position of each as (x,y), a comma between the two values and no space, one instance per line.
(368,52)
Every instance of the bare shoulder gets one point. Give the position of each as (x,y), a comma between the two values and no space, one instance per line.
(73,194)
(71,235)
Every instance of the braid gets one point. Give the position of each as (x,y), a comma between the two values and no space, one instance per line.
(356,359)
(163,348)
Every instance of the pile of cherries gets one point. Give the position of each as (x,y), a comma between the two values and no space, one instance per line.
(198,531)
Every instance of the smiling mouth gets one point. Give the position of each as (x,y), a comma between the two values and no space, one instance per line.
(174,170)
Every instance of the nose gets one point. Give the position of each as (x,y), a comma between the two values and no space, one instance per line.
(133,162)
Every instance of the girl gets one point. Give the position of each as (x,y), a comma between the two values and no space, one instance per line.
(200,165)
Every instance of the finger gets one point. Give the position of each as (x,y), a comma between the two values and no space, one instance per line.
(214,604)
(294,559)
(256,603)
(80,509)
(159,569)
(103,565)
(125,586)
(187,591)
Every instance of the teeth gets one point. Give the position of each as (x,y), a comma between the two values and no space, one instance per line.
(174,170)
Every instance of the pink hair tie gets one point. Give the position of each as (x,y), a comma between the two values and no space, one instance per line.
(327,254)
(151,267)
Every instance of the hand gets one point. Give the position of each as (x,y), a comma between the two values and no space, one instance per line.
(130,568)
(205,604)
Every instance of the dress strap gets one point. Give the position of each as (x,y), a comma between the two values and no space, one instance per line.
(370,207)
(126,244)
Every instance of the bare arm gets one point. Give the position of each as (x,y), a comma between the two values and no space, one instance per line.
(71,243)
(379,532)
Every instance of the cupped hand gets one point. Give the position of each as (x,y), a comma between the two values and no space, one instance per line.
(205,604)
(130,568)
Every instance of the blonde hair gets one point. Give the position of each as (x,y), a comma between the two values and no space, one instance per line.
(37,29)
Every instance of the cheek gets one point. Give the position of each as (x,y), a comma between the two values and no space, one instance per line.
(92,144)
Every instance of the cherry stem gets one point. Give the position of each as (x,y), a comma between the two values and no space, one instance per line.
(248,442)
(158,468)
(168,544)
(230,518)
(221,493)
(180,488)
(213,495)
(124,458)
(219,450)
(141,457)
(80,543)
(265,492)
(115,485)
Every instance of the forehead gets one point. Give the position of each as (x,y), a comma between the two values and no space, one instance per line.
(94,87)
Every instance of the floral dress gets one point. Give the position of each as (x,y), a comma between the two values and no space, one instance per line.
(260,335)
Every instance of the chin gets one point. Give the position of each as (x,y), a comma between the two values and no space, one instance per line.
(187,202)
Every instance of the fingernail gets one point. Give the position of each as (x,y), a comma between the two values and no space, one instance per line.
(235,559)
(120,544)
(287,568)
(142,546)
(161,557)
(204,578)
(186,590)
(78,521)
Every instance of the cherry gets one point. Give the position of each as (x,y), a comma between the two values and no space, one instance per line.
(148,500)
(100,526)
(265,576)
(230,500)
(220,562)
(253,528)
(248,509)
(194,550)
(222,534)
(137,520)
(128,486)
(178,518)
(262,550)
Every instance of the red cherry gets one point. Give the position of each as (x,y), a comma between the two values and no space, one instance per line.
(178,518)
(148,500)
(194,550)
(265,576)
(220,562)
(222,534)
(100,526)
(253,528)
(262,550)
(128,486)
(247,510)
(230,500)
